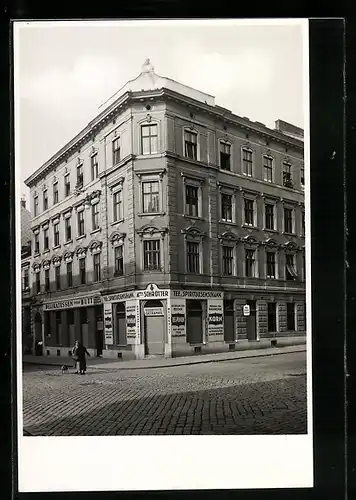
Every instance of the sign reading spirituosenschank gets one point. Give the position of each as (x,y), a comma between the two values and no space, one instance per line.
(153,292)
(69,303)
(215,317)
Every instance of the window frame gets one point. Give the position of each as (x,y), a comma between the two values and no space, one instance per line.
(67,185)
(150,268)
(45,199)
(95,216)
(149,125)
(245,149)
(47,281)
(96,267)
(117,271)
(94,166)
(80,219)
(292,211)
(82,271)
(46,238)
(36,246)
(55,193)
(224,193)
(57,277)
(254,214)
(56,235)
(151,176)
(224,246)
(80,175)
(69,281)
(38,282)
(150,194)
(225,143)
(254,260)
(268,252)
(68,226)
(266,168)
(116,150)
(292,264)
(35,206)
(188,242)
(193,132)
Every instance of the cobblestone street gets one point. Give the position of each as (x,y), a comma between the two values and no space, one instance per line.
(262,395)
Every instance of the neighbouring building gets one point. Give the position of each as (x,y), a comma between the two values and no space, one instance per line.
(26,237)
(168,225)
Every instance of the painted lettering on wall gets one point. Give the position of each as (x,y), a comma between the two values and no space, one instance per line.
(131,320)
(67,304)
(108,328)
(178,318)
(215,317)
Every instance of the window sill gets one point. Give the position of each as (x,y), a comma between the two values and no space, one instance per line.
(148,155)
(36,254)
(68,242)
(117,222)
(56,247)
(82,236)
(152,270)
(96,231)
(151,214)
(289,234)
(270,230)
(247,175)
(45,251)
(118,274)
(193,217)
(248,226)
(225,169)
(231,222)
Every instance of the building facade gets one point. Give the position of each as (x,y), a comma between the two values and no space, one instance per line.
(26,237)
(163,219)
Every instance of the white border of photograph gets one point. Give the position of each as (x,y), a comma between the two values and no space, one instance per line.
(166,462)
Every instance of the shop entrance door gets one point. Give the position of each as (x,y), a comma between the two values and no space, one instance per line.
(194,322)
(251,321)
(229,323)
(154,327)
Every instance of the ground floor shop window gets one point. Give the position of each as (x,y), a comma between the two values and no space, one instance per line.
(58,327)
(120,325)
(290,316)
(272,324)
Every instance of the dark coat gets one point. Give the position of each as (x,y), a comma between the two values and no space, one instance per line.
(79,355)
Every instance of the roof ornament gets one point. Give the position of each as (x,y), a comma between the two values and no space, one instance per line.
(147,66)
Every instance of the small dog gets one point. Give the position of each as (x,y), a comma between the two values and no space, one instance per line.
(64,368)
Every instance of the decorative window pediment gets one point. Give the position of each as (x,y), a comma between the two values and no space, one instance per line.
(193,233)
(228,236)
(291,247)
(67,213)
(55,219)
(36,230)
(117,238)
(46,264)
(68,256)
(149,230)
(118,185)
(95,246)
(271,243)
(56,260)
(45,224)
(36,266)
(93,151)
(81,251)
(250,241)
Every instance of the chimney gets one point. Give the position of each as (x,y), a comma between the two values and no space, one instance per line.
(23,202)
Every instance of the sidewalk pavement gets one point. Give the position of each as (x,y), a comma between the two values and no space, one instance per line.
(250,350)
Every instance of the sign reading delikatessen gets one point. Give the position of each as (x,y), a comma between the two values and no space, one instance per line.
(131,321)
(215,317)
(69,303)
(178,318)
(108,327)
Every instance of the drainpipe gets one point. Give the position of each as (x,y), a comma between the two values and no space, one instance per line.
(133,199)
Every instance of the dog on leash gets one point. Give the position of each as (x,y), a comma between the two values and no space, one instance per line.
(64,368)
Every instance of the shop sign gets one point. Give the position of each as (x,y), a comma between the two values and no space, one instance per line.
(246,310)
(108,327)
(153,311)
(215,317)
(178,318)
(67,304)
(153,292)
(197,294)
(131,326)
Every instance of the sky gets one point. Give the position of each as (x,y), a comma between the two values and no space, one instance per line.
(65,71)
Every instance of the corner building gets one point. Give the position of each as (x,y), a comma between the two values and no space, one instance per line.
(161,220)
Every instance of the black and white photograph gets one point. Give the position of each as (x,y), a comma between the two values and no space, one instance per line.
(163,251)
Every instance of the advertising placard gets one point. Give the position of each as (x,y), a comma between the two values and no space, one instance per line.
(178,318)
(131,321)
(108,327)
(215,317)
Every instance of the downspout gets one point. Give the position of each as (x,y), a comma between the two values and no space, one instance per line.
(133,199)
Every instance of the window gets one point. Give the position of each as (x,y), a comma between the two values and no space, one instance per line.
(226,207)
(271,321)
(149,139)
(35,206)
(291,273)
(45,199)
(38,282)
(119,260)
(271,264)
(190,144)
(96,265)
(82,271)
(304,268)
(26,279)
(287,175)
(66,185)
(250,263)
(95,216)
(303,223)
(70,316)
(55,193)
(80,177)
(288,220)
(151,255)
(94,166)
(45,239)
(150,197)
(290,316)
(37,244)
(68,228)
(269,216)
(56,234)
(268,168)
(193,257)
(249,212)
(247,162)
(302,179)
(81,223)
(117,205)
(57,273)
(225,156)
(228,260)
(69,274)
(116,151)
(192,200)
(47,280)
